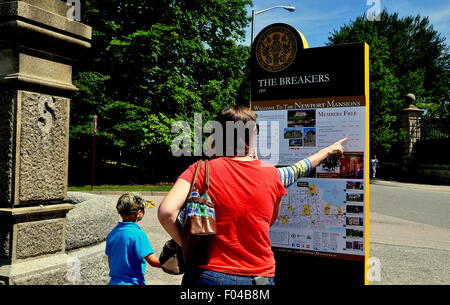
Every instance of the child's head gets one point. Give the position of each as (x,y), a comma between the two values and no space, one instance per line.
(131,207)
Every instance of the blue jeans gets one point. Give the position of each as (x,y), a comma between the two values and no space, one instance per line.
(195,276)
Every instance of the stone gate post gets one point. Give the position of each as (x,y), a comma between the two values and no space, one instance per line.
(410,122)
(38,46)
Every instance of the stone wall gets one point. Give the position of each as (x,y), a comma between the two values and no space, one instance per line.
(41,261)
(436,175)
(90,221)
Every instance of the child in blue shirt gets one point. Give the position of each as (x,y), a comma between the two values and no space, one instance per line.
(127,245)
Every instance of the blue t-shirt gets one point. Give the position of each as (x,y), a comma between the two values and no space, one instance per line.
(127,245)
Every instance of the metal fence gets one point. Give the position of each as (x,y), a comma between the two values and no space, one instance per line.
(434,129)
(433,142)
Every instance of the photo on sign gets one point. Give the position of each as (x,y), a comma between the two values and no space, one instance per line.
(354,197)
(358,245)
(329,168)
(351,165)
(354,245)
(293,133)
(354,233)
(295,142)
(310,137)
(354,221)
(354,209)
(301,118)
(355,185)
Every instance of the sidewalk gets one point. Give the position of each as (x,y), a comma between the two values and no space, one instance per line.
(427,187)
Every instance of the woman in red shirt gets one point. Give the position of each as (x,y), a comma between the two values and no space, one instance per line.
(246,193)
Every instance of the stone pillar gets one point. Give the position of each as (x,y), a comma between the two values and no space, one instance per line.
(410,122)
(38,46)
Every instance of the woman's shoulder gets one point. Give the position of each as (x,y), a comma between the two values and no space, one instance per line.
(266,164)
(259,165)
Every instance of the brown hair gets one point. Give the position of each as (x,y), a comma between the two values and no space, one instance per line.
(245,120)
(130,203)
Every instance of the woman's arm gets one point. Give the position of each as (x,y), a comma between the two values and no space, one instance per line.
(170,207)
(290,174)
(276,211)
(333,149)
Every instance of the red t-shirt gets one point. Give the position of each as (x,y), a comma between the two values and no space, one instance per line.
(244,194)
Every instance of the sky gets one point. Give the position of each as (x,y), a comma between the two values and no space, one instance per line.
(316,19)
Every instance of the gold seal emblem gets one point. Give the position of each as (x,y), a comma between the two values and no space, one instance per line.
(276,49)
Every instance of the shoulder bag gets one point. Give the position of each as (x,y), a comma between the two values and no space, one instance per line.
(198,222)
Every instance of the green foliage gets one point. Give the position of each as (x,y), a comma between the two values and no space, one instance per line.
(155,62)
(406,56)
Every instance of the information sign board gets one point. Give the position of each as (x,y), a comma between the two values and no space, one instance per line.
(305,100)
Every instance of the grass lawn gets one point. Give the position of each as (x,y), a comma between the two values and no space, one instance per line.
(124,188)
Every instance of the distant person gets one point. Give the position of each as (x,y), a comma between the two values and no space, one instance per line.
(246,193)
(127,245)
(374,163)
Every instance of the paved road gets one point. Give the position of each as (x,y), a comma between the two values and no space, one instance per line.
(410,233)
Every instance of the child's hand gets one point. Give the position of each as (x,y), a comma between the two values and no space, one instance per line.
(153,260)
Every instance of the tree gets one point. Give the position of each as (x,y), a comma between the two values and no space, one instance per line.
(406,56)
(153,63)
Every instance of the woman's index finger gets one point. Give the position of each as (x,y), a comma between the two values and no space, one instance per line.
(342,140)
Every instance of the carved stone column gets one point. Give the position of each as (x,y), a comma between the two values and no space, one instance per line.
(38,46)
(410,122)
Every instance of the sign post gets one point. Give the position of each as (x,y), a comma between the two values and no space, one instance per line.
(94,146)
(309,98)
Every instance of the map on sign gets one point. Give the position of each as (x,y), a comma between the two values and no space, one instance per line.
(317,204)
(321,215)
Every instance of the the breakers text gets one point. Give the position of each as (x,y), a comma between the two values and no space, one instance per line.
(294,80)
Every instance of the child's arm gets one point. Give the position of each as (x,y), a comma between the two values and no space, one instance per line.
(153,260)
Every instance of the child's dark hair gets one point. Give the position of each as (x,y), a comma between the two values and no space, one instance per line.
(130,203)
